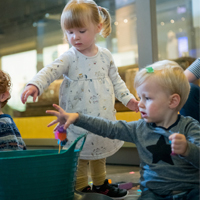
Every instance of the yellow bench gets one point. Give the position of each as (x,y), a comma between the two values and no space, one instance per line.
(36,127)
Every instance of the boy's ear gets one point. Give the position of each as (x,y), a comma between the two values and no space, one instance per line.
(4,96)
(174,101)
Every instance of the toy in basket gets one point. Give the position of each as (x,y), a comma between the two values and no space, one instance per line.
(61,136)
(39,174)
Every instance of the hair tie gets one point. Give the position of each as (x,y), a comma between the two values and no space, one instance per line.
(100,8)
(149,69)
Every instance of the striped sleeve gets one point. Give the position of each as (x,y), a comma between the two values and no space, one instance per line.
(195,68)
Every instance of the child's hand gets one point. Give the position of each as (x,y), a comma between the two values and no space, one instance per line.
(29,90)
(179,144)
(133,105)
(62,117)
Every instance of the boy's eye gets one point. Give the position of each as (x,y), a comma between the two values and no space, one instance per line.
(147,98)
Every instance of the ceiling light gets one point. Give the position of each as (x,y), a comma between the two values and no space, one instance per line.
(125,20)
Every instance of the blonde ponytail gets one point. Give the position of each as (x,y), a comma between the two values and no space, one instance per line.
(106,22)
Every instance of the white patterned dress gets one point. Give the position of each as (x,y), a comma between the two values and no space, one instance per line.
(90,86)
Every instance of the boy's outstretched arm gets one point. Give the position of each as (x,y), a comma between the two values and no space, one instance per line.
(120,130)
(62,117)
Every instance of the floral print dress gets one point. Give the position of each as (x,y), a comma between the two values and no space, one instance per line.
(90,86)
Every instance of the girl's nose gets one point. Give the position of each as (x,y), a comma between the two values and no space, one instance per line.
(76,36)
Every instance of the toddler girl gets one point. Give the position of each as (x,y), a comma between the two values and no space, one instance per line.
(91,83)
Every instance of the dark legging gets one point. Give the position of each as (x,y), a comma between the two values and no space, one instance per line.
(192,106)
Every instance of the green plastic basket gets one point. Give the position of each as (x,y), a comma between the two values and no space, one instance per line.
(39,174)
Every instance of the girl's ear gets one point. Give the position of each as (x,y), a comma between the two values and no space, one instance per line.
(174,101)
(4,96)
(99,27)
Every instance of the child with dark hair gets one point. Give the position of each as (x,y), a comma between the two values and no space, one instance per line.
(10,138)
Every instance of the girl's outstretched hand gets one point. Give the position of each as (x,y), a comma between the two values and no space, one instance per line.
(133,105)
(29,90)
(62,117)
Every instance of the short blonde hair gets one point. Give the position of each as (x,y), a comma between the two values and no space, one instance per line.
(78,13)
(5,85)
(170,76)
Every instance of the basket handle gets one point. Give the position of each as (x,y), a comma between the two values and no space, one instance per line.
(81,136)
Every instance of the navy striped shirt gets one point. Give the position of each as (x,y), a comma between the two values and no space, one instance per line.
(10,138)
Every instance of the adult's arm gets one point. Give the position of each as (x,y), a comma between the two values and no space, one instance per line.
(193,71)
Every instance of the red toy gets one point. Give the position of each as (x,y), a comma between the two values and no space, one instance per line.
(61,136)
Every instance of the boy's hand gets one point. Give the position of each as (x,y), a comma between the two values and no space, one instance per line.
(62,117)
(133,105)
(179,144)
(29,90)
